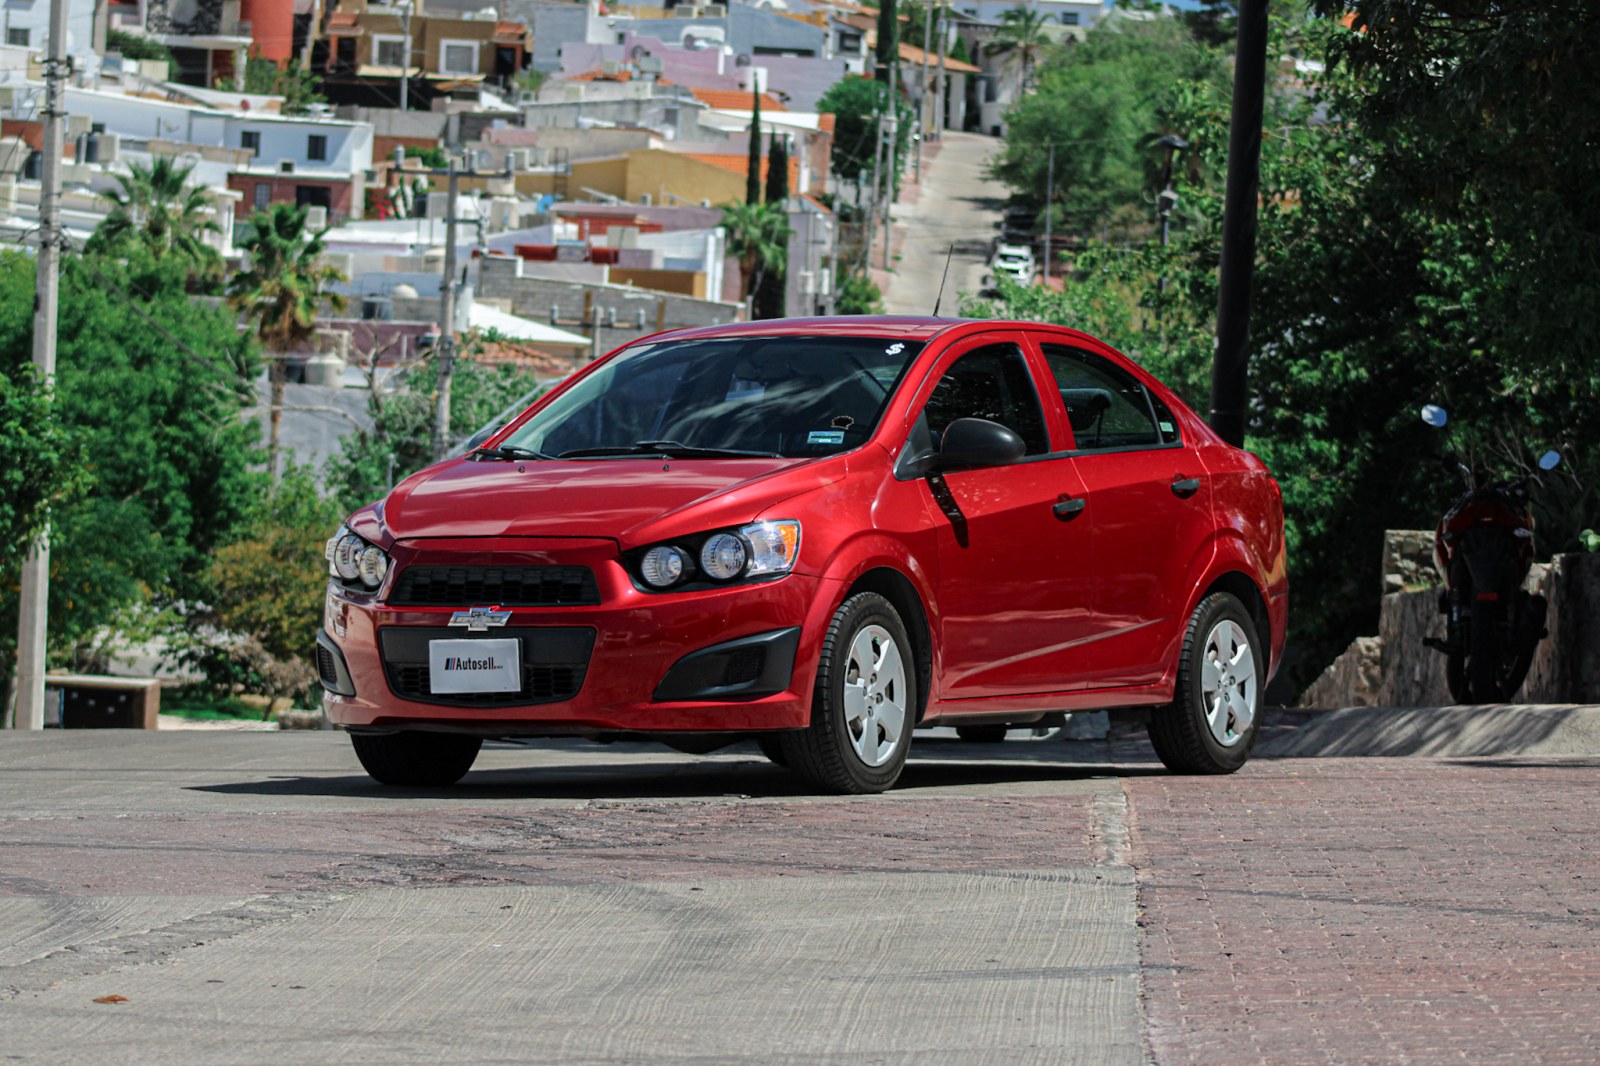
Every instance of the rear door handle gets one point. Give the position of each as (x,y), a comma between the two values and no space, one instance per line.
(1069,508)
(1183,488)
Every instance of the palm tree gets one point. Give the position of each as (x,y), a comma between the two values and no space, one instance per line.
(281,293)
(156,207)
(758,236)
(1021,35)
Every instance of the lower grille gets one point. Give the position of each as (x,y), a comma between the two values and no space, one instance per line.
(554,662)
(326,668)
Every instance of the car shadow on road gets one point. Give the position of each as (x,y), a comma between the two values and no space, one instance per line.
(949,767)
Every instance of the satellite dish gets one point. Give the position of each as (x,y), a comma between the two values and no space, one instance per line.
(1435,416)
(741,60)
(638,51)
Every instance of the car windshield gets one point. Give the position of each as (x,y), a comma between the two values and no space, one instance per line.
(724,397)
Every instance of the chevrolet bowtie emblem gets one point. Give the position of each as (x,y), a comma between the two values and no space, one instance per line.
(479,619)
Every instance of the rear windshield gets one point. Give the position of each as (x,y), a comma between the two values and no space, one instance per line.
(788,396)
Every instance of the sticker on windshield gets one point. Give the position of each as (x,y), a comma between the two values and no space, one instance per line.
(825,436)
(894,349)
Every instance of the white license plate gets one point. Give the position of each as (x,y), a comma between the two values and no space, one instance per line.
(474,666)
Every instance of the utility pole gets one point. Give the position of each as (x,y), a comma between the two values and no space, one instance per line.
(891,130)
(446,346)
(34,598)
(1231,360)
(922,90)
(447,316)
(1049,211)
(405,62)
(944,73)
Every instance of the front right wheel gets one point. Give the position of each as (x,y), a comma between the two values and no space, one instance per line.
(864,706)
(1211,724)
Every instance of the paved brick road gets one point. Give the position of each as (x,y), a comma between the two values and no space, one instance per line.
(1372,910)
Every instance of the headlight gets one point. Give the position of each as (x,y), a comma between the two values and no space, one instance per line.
(373,565)
(661,566)
(352,559)
(759,550)
(722,557)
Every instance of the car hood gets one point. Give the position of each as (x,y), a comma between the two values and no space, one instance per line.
(622,499)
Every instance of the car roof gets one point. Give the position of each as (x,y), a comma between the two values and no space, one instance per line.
(899,327)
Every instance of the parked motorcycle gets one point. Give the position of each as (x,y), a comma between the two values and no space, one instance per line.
(1483,548)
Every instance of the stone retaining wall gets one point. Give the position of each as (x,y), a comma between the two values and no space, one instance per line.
(1395,668)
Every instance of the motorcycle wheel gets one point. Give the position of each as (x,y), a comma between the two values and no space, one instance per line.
(1491,662)
(1455,676)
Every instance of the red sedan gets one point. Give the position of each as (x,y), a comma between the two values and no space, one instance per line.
(821,533)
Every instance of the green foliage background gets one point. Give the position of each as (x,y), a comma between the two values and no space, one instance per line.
(1387,276)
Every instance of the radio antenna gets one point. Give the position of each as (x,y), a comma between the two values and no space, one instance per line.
(940,298)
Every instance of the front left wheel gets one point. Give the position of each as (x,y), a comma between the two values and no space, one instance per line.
(864,706)
(415,758)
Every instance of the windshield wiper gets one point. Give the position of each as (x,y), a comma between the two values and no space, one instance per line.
(669,449)
(510,451)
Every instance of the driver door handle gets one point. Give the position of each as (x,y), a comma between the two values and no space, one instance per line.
(1069,508)
(1183,488)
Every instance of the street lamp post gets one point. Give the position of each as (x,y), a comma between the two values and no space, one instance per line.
(1167,198)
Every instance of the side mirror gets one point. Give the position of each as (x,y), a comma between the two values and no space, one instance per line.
(971,442)
(1435,416)
(1549,460)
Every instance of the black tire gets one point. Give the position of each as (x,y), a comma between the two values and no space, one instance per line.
(860,723)
(1455,676)
(1197,734)
(771,746)
(1484,648)
(981,734)
(414,758)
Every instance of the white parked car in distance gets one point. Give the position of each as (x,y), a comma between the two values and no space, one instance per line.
(1014,261)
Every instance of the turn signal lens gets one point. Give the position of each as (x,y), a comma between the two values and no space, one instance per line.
(722,557)
(661,566)
(774,546)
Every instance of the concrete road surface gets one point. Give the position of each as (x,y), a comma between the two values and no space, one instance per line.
(210,897)
(956,209)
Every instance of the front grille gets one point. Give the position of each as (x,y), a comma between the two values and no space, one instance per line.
(554,662)
(501,586)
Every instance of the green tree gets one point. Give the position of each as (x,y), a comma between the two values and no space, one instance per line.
(758,236)
(886,51)
(752,171)
(1371,298)
(858,106)
(400,441)
(1022,39)
(281,292)
(300,89)
(157,207)
(771,299)
(133,46)
(1102,103)
(265,591)
(148,391)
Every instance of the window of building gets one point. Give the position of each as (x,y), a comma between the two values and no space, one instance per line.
(1069,18)
(263,196)
(250,141)
(17,37)
(458,57)
(388,51)
(317,147)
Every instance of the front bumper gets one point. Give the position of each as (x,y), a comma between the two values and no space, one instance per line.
(739,658)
